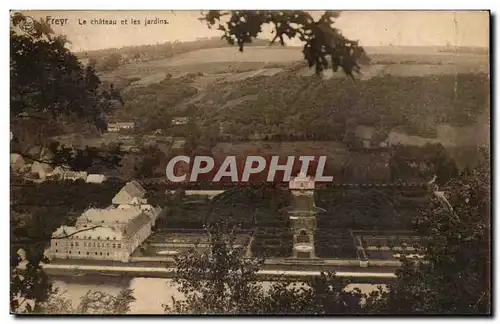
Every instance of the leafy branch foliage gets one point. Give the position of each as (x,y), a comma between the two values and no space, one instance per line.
(324,46)
(92,303)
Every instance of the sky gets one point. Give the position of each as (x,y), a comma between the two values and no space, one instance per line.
(371,28)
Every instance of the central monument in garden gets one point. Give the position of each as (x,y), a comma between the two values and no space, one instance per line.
(302,215)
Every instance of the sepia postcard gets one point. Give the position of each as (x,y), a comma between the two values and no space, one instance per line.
(262,162)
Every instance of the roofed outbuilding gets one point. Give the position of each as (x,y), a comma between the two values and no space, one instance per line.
(16,161)
(131,190)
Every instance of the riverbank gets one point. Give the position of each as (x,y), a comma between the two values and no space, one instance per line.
(65,270)
(150,293)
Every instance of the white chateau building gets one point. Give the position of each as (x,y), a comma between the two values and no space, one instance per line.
(108,234)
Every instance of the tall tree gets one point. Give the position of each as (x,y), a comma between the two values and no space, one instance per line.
(49,88)
(47,80)
(218,280)
(455,277)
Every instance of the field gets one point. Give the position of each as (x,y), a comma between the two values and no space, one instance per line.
(218,61)
(331,149)
(410,96)
(221,71)
(229,59)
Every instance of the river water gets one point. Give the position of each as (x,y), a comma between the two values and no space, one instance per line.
(150,293)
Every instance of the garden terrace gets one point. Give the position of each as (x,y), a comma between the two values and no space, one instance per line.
(173,242)
(369,209)
(251,206)
(186,215)
(220,185)
(272,242)
(331,244)
(387,245)
(244,207)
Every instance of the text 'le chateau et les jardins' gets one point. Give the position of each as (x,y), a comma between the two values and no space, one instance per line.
(104,22)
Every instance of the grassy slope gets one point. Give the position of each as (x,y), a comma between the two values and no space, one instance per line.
(227,64)
(219,60)
(413,90)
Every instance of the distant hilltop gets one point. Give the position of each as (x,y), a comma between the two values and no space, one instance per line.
(215,42)
(159,51)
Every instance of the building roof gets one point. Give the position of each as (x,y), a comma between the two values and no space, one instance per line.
(98,233)
(75,174)
(130,190)
(96,178)
(38,167)
(138,201)
(108,216)
(135,224)
(103,169)
(151,211)
(114,224)
(16,158)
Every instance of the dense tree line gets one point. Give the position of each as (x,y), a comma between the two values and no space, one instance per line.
(289,107)
(410,162)
(110,59)
(52,93)
(148,162)
(153,106)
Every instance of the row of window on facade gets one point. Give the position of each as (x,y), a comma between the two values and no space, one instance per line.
(96,238)
(99,245)
(88,253)
(90,221)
